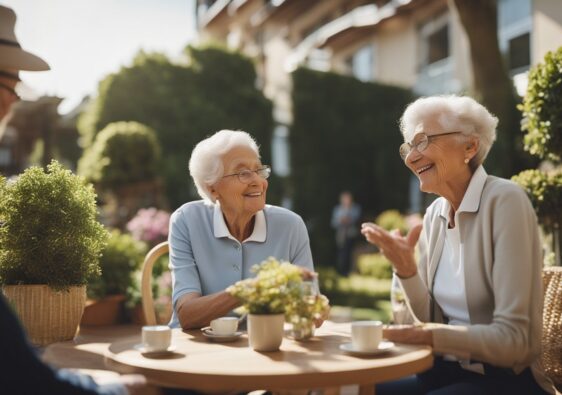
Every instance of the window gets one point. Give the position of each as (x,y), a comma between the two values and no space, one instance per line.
(438,45)
(434,40)
(5,156)
(514,33)
(519,54)
(362,63)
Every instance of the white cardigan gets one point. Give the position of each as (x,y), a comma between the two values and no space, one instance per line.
(503,264)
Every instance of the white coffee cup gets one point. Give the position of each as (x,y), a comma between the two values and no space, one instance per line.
(156,337)
(224,326)
(366,335)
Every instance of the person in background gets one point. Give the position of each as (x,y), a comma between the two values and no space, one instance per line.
(21,370)
(476,287)
(345,221)
(214,242)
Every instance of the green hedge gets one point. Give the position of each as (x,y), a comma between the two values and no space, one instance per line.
(183,104)
(345,135)
(542,108)
(122,153)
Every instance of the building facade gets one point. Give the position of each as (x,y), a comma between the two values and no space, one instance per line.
(416,44)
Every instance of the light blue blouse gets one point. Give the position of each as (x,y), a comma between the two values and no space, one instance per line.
(206,258)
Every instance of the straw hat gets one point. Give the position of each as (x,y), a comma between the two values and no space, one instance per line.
(12,56)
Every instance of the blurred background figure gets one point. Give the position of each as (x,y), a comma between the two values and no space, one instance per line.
(345,220)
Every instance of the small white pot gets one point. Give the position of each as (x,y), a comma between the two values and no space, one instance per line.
(265,331)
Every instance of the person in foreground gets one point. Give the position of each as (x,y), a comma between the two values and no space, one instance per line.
(22,372)
(477,283)
(214,242)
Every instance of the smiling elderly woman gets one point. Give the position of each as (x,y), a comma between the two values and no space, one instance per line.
(478,276)
(216,241)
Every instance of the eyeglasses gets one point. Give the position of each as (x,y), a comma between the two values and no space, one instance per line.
(11,90)
(245,176)
(420,144)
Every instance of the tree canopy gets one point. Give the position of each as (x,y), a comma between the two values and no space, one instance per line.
(183,103)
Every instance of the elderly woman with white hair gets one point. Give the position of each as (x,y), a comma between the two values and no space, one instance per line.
(475,289)
(214,242)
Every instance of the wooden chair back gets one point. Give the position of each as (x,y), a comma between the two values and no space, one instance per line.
(146,282)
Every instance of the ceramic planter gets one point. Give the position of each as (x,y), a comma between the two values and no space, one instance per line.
(103,312)
(265,331)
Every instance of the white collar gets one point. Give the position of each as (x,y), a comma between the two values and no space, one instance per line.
(221,230)
(471,199)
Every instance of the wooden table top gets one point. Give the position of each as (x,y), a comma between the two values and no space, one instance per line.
(200,364)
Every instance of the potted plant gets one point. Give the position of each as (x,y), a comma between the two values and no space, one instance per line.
(50,242)
(274,294)
(120,259)
(542,125)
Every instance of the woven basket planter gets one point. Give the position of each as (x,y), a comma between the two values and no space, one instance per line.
(552,324)
(48,316)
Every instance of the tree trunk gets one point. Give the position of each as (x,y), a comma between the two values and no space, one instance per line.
(492,84)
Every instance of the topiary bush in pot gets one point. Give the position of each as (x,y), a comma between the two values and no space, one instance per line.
(50,243)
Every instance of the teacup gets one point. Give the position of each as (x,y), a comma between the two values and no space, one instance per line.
(224,326)
(156,337)
(366,335)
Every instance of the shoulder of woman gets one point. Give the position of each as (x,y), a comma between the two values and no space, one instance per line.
(507,190)
(190,209)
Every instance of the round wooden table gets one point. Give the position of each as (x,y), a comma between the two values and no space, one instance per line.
(199,364)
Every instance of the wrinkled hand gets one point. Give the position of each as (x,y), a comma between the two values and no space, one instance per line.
(398,249)
(308,275)
(409,334)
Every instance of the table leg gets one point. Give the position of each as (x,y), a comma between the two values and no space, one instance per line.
(367,389)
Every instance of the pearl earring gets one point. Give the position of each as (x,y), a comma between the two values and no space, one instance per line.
(466,160)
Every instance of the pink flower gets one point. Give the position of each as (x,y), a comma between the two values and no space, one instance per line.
(150,225)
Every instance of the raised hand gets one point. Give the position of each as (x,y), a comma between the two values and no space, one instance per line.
(398,249)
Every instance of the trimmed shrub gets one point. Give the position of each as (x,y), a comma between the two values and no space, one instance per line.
(542,108)
(49,233)
(374,265)
(545,191)
(345,135)
(122,153)
(392,219)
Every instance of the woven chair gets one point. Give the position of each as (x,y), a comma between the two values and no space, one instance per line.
(146,282)
(552,324)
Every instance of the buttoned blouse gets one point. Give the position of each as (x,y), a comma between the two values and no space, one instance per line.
(205,258)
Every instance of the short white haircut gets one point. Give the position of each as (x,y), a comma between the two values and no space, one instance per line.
(453,113)
(205,164)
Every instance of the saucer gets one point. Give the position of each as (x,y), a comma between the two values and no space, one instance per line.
(208,333)
(384,346)
(142,349)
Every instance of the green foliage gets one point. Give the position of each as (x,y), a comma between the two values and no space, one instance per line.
(374,265)
(279,288)
(49,232)
(545,191)
(120,258)
(392,219)
(122,153)
(184,104)
(270,290)
(353,129)
(355,290)
(542,108)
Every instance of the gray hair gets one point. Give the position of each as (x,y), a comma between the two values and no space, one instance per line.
(453,113)
(205,164)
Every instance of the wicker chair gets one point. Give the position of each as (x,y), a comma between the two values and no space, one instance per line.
(146,282)
(552,324)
